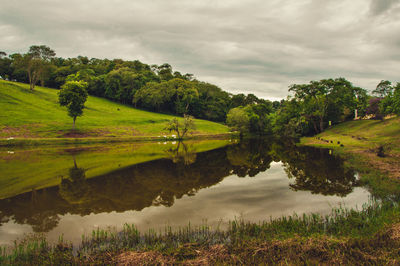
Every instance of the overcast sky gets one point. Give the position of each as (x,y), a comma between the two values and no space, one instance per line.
(249,46)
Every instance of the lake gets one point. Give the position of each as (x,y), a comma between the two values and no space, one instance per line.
(72,190)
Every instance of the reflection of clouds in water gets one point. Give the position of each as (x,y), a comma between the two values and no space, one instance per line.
(254,199)
(220,193)
(10,231)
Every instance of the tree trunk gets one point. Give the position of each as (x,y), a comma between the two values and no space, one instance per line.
(73,125)
(30,80)
(179,133)
(321,125)
(315,127)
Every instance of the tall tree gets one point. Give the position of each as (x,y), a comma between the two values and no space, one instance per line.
(5,65)
(73,95)
(37,62)
(383,89)
(237,119)
(328,100)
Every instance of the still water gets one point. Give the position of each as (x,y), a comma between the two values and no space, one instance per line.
(71,191)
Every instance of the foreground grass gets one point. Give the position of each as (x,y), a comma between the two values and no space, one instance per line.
(36,114)
(344,236)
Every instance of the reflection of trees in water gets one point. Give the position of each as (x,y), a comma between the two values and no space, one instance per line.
(182,153)
(163,181)
(317,171)
(74,188)
(158,182)
(44,221)
(249,158)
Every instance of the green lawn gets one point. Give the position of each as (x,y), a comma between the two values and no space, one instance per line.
(365,138)
(364,133)
(37,114)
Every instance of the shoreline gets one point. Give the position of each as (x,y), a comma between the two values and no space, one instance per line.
(23,142)
(367,236)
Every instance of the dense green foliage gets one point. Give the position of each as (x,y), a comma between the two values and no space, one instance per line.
(310,108)
(155,88)
(73,95)
(389,96)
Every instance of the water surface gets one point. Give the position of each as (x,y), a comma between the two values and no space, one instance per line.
(74,190)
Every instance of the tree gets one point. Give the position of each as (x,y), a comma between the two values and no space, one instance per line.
(181,128)
(73,95)
(36,63)
(390,97)
(383,89)
(328,100)
(5,65)
(238,100)
(373,108)
(237,119)
(396,99)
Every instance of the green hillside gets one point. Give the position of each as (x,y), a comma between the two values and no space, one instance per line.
(366,138)
(37,114)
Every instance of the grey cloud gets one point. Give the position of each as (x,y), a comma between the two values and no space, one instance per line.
(255,46)
(381,6)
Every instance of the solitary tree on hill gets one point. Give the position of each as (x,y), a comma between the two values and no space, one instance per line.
(73,95)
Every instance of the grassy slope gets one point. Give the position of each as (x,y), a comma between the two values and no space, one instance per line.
(363,138)
(365,133)
(37,114)
(359,143)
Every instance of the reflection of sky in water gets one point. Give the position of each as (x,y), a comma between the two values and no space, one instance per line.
(253,199)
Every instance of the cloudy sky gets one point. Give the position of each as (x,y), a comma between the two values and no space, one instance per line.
(249,46)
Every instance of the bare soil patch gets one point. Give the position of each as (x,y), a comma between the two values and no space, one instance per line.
(84,134)
(24,131)
(389,164)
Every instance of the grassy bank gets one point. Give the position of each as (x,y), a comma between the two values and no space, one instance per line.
(356,237)
(37,115)
(367,236)
(373,141)
(370,147)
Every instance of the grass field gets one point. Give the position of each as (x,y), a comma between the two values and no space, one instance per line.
(37,114)
(365,138)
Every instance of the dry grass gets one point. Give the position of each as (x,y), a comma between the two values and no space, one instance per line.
(381,249)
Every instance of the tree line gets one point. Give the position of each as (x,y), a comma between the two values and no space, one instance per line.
(308,110)
(152,87)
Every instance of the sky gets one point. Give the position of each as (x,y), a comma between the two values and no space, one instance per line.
(243,46)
